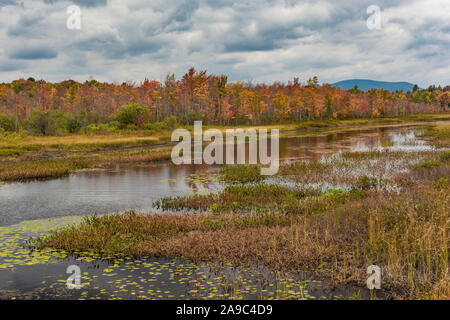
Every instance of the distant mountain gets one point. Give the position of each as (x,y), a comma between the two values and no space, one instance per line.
(366,85)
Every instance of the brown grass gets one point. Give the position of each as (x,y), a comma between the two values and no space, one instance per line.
(331,236)
(405,234)
(44,169)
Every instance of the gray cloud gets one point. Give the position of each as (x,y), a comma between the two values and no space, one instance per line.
(84,3)
(33,53)
(106,44)
(6,66)
(29,25)
(4,3)
(263,40)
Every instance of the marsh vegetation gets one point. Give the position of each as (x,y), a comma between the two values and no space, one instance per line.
(25,157)
(328,218)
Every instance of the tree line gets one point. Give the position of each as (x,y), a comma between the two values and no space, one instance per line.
(46,108)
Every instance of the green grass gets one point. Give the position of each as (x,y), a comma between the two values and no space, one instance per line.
(260,197)
(440,131)
(10,152)
(240,174)
(427,165)
(445,156)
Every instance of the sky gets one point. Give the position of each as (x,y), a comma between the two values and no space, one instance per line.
(248,40)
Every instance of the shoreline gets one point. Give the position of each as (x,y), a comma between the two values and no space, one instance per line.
(60,162)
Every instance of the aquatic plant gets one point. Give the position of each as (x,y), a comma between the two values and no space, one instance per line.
(260,197)
(240,174)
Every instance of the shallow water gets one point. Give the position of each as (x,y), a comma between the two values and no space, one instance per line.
(121,189)
(34,208)
(26,274)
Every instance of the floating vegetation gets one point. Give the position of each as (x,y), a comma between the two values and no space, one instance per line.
(112,277)
(162,279)
(13,241)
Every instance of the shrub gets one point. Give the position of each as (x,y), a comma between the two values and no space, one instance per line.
(102,128)
(131,127)
(58,123)
(442,183)
(6,123)
(157,126)
(169,123)
(46,123)
(132,114)
(77,121)
(37,122)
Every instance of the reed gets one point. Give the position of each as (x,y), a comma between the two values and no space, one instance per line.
(27,170)
(405,234)
(327,234)
(46,169)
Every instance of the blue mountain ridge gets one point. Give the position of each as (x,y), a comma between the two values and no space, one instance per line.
(366,85)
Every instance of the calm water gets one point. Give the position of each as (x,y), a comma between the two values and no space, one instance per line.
(120,189)
(34,208)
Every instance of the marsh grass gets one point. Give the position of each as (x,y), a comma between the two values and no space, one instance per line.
(440,131)
(445,156)
(332,235)
(427,164)
(135,156)
(404,234)
(240,174)
(27,170)
(79,141)
(260,197)
(45,169)
(119,147)
(408,235)
(439,135)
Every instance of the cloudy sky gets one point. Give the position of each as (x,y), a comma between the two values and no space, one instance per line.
(258,40)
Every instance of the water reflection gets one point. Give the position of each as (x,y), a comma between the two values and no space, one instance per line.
(97,192)
(121,189)
(27,275)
